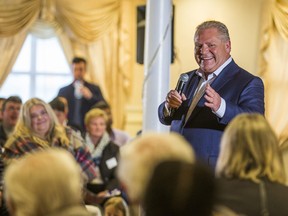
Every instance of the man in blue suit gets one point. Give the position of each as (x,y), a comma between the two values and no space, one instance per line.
(227,91)
(80,94)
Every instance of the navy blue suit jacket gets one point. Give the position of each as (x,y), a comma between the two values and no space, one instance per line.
(242,91)
(68,93)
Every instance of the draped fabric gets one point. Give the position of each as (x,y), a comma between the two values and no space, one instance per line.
(273,62)
(90,29)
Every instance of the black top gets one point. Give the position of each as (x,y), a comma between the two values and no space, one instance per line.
(243,197)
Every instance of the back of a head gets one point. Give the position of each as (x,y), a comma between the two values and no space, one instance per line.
(249,150)
(43,182)
(59,104)
(177,188)
(139,157)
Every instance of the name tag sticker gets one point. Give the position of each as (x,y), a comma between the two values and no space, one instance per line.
(111,163)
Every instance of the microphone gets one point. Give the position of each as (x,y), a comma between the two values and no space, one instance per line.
(179,88)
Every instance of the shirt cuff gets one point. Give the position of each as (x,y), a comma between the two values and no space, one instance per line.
(221,111)
(167,112)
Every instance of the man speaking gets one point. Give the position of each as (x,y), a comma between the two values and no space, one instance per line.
(214,94)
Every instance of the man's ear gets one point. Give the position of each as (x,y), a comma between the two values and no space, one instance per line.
(228,46)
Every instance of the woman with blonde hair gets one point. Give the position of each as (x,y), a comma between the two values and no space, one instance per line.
(250,168)
(116,206)
(46,182)
(38,128)
(104,152)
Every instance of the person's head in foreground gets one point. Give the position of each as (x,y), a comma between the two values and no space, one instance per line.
(178,188)
(116,206)
(139,158)
(249,150)
(43,183)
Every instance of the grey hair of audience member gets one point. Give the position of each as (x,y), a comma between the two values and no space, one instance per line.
(43,182)
(139,157)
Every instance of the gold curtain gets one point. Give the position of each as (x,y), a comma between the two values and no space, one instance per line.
(91,29)
(273,62)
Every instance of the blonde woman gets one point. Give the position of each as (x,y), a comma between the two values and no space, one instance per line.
(116,206)
(46,182)
(250,169)
(38,128)
(104,152)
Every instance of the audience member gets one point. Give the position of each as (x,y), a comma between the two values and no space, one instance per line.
(119,137)
(80,94)
(10,113)
(139,157)
(60,108)
(283,139)
(250,169)
(116,206)
(178,188)
(1,104)
(104,152)
(45,183)
(38,128)
(214,94)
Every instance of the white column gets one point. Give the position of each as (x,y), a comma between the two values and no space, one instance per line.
(157,58)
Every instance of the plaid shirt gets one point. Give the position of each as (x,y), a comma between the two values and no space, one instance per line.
(24,144)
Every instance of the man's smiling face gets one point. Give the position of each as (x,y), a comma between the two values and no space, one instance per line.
(211,50)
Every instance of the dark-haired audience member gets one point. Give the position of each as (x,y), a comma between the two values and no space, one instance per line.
(60,108)
(10,114)
(104,152)
(80,94)
(250,169)
(178,188)
(47,183)
(118,136)
(1,104)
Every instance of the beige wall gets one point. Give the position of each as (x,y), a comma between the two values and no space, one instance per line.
(242,18)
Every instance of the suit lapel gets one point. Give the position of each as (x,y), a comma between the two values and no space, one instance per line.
(225,76)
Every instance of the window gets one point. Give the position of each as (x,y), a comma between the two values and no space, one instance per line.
(40,70)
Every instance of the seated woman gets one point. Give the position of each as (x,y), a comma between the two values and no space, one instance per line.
(249,168)
(46,182)
(38,128)
(104,151)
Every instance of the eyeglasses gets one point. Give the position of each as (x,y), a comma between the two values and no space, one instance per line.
(35,116)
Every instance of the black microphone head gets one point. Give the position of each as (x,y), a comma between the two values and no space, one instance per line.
(184,78)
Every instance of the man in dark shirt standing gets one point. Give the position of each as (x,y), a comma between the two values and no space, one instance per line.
(80,94)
